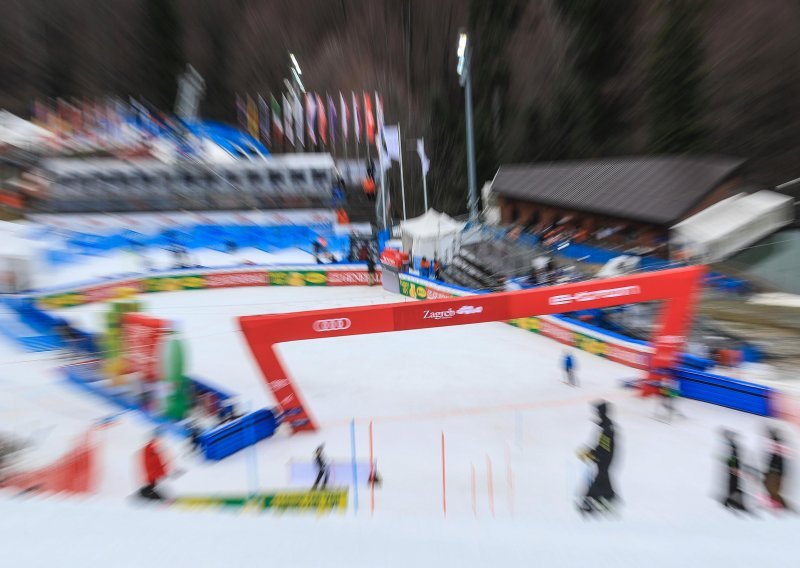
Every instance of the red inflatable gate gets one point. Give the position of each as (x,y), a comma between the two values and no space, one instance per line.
(677,288)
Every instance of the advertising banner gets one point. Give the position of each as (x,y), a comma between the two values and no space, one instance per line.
(142,338)
(297,277)
(351,277)
(235,279)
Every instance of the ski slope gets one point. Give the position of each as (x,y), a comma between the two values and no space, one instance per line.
(493,390)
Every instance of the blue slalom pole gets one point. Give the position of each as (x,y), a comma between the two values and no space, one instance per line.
(355,466)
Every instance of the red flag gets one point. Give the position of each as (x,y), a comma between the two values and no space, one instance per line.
(369,120)
(322,121)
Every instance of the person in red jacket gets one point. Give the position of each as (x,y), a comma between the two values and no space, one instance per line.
(155,468)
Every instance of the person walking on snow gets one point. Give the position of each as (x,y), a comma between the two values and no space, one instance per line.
(734,498)
(668,391)
(601,495)
(776,466)
(322,468)
(155,468)
(569,369)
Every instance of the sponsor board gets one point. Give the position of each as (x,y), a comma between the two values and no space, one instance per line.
(234,279)
(351,277)
(297,278)
(324,500)
(420,292)
(588,296)
(173,283)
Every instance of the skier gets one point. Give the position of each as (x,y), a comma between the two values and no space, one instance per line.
(569,369)
(600,495)
(734,499)
(154,467)
(322,468)
(773,476)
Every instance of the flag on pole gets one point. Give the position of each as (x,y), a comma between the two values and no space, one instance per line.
(263,119)
(288,120)
(322,120)
(311,118)
(345,116)
(356,119)
(298,121)
(391,142)
(332,118)
(252,117)
(369,119)
(277,121)
(426,164)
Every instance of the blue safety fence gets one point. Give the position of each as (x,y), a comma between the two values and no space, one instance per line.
(238,434)
(39,329)
(268,238)
(724,391)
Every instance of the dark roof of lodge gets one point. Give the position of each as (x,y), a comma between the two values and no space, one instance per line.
(657,190)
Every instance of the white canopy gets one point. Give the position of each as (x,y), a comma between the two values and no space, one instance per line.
(732,224)
(16,131)
(431,234)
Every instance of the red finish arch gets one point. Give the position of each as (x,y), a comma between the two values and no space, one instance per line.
(677,288)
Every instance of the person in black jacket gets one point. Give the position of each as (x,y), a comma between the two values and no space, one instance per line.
(322,468)
(776,467)
(734,498)
(601,494)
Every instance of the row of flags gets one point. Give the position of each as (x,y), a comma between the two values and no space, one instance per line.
(308,120)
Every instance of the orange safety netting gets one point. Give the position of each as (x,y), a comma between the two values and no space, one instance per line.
(74,472)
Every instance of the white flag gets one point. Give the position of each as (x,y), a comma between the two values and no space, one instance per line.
(288,121)
(298,121)
(426,164)
(391,140)
(345,116)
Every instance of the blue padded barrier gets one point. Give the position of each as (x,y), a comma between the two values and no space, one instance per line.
(724,391)
(236,435)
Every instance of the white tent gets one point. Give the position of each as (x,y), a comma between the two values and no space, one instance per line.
(431,234)
(18,132)
(730,225)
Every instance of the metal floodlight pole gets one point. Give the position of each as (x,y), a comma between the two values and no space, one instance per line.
(464,73)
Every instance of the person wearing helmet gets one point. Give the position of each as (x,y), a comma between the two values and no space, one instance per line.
(601,494)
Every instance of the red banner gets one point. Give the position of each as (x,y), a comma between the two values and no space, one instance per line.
(142,337)
(234,279)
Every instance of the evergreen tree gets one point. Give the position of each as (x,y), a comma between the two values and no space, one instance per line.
(674,80)
(589,109)
(163,54)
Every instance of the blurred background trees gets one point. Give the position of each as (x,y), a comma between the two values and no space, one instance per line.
(553,79)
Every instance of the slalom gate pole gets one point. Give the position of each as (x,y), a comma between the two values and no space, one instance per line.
(490,483)
(355,465)
(371,474)
(510,480)
(444,480)
(474,491)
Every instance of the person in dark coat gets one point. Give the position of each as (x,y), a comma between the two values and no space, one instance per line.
(734,498)
(601,494)
(322,468)
(776,467)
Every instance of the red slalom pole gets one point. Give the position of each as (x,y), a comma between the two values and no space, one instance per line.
(371,474)
(474,491)
(490,484)
(444,480)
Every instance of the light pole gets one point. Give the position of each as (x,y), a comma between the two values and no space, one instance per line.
(296,72)
(465,80)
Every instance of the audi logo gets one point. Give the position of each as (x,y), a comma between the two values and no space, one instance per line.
(337,324)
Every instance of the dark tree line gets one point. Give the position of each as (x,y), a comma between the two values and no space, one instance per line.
(552,79)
